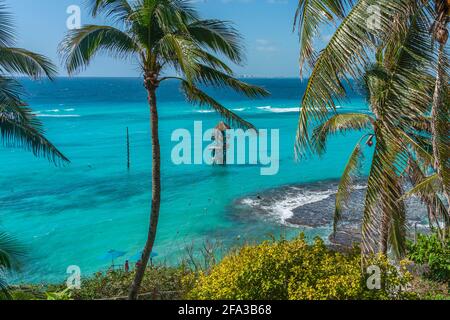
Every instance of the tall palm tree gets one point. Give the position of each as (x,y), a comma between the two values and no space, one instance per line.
(398,89)
(10,253)
(164,36)
(19,127)
(440,112)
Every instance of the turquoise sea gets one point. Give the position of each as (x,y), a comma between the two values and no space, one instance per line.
(74,214)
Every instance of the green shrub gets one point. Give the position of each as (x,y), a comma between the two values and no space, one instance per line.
(159,282)
(297,271)
(431,252)
(66,294)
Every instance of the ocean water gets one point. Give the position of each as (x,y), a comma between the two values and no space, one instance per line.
(73,215)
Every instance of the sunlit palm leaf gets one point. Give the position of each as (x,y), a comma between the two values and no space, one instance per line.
(196,96)
(218,36)
(346,183)
(20,128)
(210,76)
(6,26)
(309,17)
(10,91)
(81,45)
(346,55)
(428,190)
(117,10)
(11,251)
(384,214)
(181,53)
(339,123)
(24,62)
(440,122)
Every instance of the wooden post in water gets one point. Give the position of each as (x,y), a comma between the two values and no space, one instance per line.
(128,150)
(220,136)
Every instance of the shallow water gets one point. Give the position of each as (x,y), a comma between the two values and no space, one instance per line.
(72,215)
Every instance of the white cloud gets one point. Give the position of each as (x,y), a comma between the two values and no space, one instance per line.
(265,45)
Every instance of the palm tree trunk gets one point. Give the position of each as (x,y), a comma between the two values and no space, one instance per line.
(156,193)
(435,114)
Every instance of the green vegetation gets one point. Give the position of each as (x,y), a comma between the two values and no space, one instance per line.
(405,75)
(430,252)
(402,65)
(297,271)
(159,282)
(164,36)
(10,253)
(19,127)
(272,270)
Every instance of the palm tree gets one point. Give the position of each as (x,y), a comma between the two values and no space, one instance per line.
(399,93)
(164,36)
(439,111)
(10,253)
(19,127)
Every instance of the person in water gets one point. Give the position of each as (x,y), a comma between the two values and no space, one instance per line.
(127,266)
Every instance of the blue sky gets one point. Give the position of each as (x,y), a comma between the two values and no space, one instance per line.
(266,25)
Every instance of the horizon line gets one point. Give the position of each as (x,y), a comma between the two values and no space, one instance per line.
(139,77)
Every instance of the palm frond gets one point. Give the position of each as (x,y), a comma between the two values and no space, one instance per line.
(428,185)
(171,15)
(383,217)
(346,183)
(421,148)
(210,76)
(10,251)
(197,96)
(181,53)
(6,26)
(20,128)
(397,216)
(10,91)
(428,190)
(339,123)
(407,57)
(440,121)
(345,56)
(24,62)
(81,45)
(309,17)
(117,10)
(219,36)
(4,285)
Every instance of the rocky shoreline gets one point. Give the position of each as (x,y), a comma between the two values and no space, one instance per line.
(312,206)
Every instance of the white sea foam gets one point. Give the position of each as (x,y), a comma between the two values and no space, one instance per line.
(205,111)
(70,109)
(279,110)
(250,202)
(57,115)
(283,209)
(239,109)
